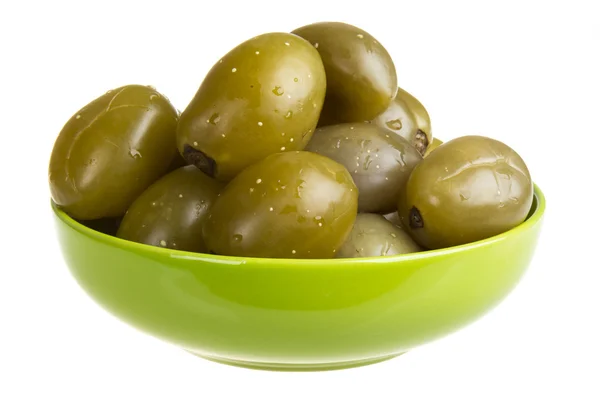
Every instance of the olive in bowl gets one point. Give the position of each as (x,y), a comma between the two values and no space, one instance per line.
(298,314)
(128,132)
(470,188)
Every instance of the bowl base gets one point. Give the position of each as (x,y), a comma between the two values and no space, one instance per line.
(284,367)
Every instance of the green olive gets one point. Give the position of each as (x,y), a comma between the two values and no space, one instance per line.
(263,97)
(468,189)
(111,150)
(407,117)
(380,162)
(422,119)
(171,212)
(289,205)
(177,163)
(372,235)
(361,76)
(433,145)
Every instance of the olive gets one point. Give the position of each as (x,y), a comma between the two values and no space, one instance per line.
(111,150)
(171,212)
(380,162)
(177,163)
(434,144)
(361,76)
(372,235)
(288,205)
(263,97)
(407,117)
(468,189)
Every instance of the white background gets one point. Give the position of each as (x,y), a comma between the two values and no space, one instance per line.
(524,72)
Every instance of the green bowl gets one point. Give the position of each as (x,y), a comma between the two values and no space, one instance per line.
(291,314)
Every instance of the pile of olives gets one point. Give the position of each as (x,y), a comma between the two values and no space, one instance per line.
(295,145)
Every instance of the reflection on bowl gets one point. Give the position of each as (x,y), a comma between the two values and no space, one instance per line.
(290,314)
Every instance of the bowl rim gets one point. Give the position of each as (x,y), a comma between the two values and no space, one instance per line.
(539,201)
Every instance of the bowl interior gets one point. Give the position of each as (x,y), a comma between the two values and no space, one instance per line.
(535,215)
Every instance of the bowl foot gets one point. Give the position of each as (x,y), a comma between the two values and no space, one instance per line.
(297,367)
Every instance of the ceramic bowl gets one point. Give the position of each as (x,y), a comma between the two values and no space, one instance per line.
(288,314)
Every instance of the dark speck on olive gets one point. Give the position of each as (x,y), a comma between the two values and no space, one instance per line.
(200,160)
(416,221)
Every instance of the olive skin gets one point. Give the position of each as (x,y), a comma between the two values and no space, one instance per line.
(380,162)
(177,163)
(111,150)
(263,97)
(289,205)
(372,235)
(407,117)
(171,212)
(433,145)
(361,75)
(468,189)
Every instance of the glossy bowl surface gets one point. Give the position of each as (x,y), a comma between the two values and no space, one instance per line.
(284,314)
